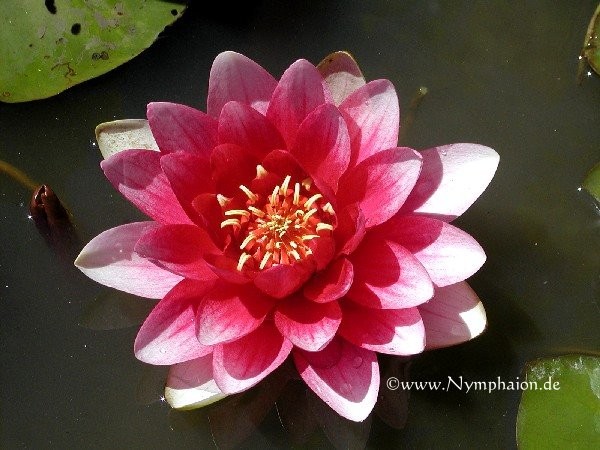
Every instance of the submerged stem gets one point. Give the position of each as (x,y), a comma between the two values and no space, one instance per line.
(409,117)
(18,175)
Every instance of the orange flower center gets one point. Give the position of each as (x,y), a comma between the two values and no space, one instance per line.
(278,228)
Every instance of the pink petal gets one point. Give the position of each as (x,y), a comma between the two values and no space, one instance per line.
(308,325)
(189,175)
(168,335)
(245,127)
(231,311)
(190,384)
(298,93)
(322,147)
(179,128)
(178,248)
(109,259)
(281,280)
(323,250)
(332,283)
(350,229)
(346,377)
(226,268)
(341,74)
(388,276)
(231,167)
(449,254)
(452,178)
(454,315)
(234,77)
(391,331)
(373,117)
(138,176)
(241,364)
(381,183)
(282,163)
(209,215)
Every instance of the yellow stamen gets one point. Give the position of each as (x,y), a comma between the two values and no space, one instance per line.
(296,194)
(284,185)
(265,260)
(222,200)
(237,212)
(308,214)
(246,241)
(308,203)
(261,172)
(307,183)
(323,226)
(243,258)
(256,211)
(308,237)
(251,195)
(328,208)
(233,222)
(274,196)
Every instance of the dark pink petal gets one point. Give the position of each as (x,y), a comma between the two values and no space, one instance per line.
(281,280)
(452,178)
(298,93)
(308,325)
(190,384)
(341,74)
(449,254)
(350,229)
(231,167)
(345,376)
(373,117)
(168,335)
(189,175)
(231,311)
(239,365)
(138,176)
(322,147)
(209,216)
(234,77)
(179,128)
(109,259)
(391,331)
(245,127)
(387,276)
(282,163)
(452,316)
(323,251)
(381,183)
(332,283)
(178,248)
(226,269)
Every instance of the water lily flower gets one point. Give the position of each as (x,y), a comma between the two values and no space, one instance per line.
(287,223)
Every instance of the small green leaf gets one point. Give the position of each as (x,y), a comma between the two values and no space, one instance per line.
(590,52)
(592,182)
(564,410)
(49,46)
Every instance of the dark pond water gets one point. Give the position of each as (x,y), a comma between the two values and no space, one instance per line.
(501,74)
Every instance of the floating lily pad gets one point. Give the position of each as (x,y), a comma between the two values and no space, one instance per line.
(49,46)
(590,52)
(592,182)
(564,410)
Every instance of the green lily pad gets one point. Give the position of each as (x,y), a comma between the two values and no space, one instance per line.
(592,182)
(47,47)
(590,52)
(564,410)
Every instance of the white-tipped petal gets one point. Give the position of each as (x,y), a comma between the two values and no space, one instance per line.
(116,136)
